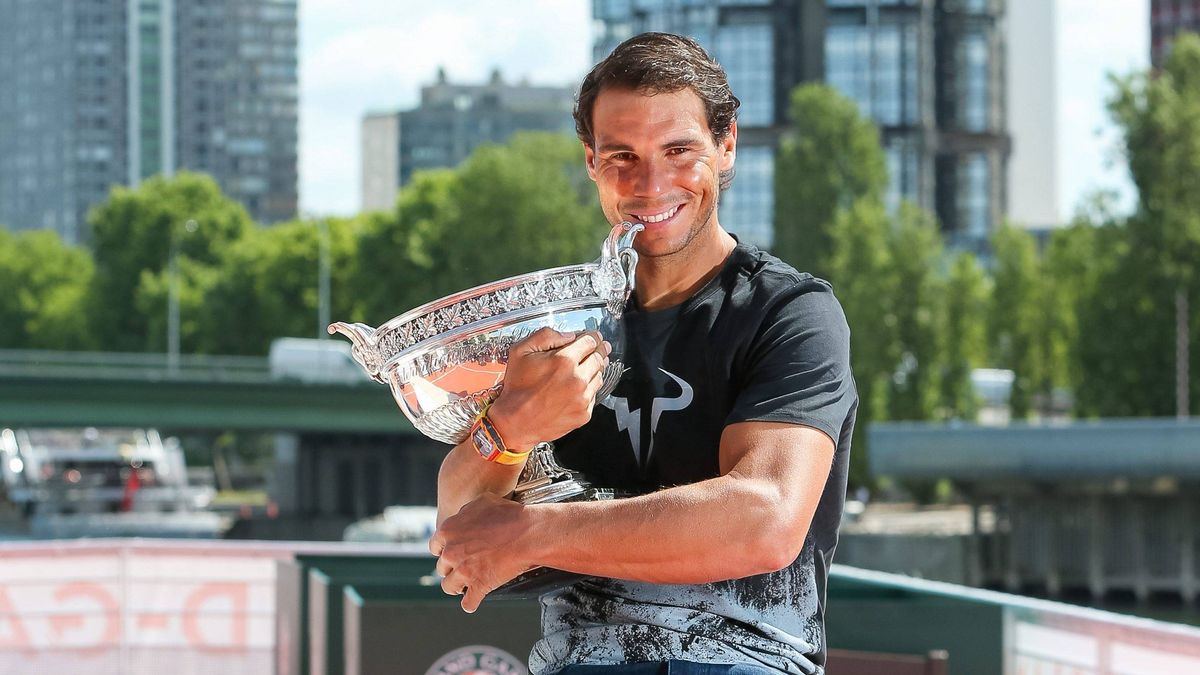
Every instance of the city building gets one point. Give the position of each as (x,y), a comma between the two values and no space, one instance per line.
(449,123)
(930,73)
(109,92)
(1168,18)
(1032,110)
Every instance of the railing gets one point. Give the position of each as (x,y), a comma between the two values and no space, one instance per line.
(133,366)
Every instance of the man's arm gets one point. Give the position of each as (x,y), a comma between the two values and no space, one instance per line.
(750,520)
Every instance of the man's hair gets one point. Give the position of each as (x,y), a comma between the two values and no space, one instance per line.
(659,63)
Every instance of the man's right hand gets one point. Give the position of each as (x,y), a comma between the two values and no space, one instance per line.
(550,386)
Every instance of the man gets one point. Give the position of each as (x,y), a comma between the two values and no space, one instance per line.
(732,424)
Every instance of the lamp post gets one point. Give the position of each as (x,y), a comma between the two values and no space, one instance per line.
(173,299)
(323,279)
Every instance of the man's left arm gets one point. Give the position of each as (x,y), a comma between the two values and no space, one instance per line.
(752,519)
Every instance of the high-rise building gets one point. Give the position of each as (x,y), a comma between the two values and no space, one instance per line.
(104,92)
(450,122)
(1168,18)
(1033,107)
(930,73)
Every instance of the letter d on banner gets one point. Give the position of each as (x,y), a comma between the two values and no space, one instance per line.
(206,595)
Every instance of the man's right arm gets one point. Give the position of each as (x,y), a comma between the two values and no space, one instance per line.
(550,385)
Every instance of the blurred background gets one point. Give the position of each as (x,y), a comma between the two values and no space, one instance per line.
(1002,192)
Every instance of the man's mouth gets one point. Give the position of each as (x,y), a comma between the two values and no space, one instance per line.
(659,216)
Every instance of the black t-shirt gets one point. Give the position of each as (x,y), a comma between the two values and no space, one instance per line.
(759,342)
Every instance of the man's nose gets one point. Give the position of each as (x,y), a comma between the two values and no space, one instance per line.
(651,178)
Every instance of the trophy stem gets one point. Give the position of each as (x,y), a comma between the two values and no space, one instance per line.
(545,480)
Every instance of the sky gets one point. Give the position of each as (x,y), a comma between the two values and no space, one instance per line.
(365,55)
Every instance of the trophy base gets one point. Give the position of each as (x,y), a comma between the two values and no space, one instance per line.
(544,481)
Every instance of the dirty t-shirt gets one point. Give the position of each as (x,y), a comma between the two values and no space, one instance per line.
(759,342)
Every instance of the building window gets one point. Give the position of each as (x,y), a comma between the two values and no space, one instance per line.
(876,66)
(904,172)
(747,53)
(975,196)
(974,78)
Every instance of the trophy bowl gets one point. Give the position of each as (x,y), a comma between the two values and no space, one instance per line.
(445,360)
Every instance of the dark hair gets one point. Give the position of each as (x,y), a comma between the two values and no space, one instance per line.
(660,63)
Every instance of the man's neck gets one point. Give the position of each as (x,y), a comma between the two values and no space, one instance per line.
(666,281)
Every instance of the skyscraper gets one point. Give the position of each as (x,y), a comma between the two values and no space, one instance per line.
(451,121)
(930,73)
(1032,97)
(1168,18)
(105,92)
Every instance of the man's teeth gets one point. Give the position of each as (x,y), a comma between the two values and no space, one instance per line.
(660,217)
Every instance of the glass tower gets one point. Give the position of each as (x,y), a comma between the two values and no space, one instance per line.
(96,93)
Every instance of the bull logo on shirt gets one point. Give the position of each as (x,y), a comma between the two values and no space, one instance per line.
(631,421)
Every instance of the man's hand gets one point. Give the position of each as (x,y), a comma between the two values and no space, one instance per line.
(550,386)
(481,548)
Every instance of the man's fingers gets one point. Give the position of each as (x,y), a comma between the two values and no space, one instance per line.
(443,568)
(583,346)
(594,384)
(544,340)
(437,543)
(454,583)
(472,599)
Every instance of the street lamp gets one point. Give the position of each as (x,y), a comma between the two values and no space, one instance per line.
(173,299)
(323,280)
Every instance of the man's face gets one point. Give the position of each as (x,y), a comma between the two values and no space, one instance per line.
(655,162)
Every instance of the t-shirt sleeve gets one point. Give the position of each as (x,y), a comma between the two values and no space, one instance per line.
(798,365)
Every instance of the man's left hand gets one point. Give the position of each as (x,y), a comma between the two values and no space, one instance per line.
(480,548)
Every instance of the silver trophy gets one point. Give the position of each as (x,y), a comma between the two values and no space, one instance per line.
(445,360)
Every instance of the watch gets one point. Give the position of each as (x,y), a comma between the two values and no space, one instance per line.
(488,442)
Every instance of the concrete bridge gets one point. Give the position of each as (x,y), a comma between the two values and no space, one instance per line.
(220,393)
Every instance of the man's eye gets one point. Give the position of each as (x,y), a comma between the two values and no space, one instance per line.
(622,156)
(677,151)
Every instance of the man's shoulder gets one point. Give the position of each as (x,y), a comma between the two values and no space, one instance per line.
(763,277)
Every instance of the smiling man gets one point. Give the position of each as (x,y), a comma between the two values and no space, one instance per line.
(732,424)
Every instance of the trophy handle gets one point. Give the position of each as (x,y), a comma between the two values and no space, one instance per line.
(364,350)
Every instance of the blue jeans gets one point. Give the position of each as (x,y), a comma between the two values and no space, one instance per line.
(665,668)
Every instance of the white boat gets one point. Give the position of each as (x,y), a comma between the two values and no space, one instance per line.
(103,483)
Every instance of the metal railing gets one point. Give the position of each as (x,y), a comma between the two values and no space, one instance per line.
(133,366)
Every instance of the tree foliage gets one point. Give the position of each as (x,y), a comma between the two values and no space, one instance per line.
(45,283)
(829,159)
(131,236)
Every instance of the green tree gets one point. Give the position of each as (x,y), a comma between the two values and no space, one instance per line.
(829,159)
(965,336)
(131,236)
(267,286)
(396,269)
(517,210)
(1016,314)
(507,210)
(916,252)
(1159,117)
(864,279)
(45,284)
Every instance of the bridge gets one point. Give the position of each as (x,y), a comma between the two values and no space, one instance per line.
(199,393)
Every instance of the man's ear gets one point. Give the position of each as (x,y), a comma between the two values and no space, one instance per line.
(728,149)
(589,160)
